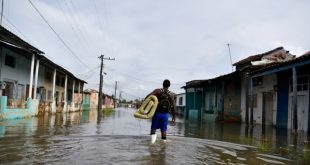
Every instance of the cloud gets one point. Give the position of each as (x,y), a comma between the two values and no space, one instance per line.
(153,40)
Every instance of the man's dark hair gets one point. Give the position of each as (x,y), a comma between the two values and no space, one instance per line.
(166,83)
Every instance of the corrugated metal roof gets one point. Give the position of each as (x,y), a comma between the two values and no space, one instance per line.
(9,39)
(13,39)
(256,57)
(275,65)
(196,83)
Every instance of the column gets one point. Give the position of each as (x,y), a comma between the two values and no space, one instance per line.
(65,94)
(36,80)
(251,102)
(294,101)
(72,102)
(31,76)
(53,92)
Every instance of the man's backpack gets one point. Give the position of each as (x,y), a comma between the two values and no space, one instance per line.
(164,101)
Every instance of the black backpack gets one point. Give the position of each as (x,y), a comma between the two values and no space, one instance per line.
(164,101)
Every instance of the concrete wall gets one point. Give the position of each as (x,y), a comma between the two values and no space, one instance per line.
(6,113)
(178,97)
(94,100)
(243,97)
(21,72)
(269,81)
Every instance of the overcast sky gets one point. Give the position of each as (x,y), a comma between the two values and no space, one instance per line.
(180,40)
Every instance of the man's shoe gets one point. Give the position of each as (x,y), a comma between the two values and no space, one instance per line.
(153,138)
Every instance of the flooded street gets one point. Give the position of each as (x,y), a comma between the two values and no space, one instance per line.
(119,138)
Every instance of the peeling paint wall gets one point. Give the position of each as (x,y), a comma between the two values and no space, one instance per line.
(268,83)
(6,113)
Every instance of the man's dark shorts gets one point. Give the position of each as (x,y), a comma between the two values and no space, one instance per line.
(160,121)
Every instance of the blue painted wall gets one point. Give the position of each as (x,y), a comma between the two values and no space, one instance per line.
(282,103)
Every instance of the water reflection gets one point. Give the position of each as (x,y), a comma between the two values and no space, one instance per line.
(65,137)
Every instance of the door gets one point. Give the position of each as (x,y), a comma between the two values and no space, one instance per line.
(268,108)
(302,113)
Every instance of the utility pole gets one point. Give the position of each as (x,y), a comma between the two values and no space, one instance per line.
(101,81)
(120,96)
(114,99)
(1,12)
(232,68)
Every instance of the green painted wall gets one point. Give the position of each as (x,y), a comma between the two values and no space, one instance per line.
(86,102)
(6,114)
(232,99)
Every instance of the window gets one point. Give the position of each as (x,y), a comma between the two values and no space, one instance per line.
(181,101)
(63,82)
(10,61)
(43,94)
(257,81)
(20,93)
(48,76)
(57,80)
(49,95)
(302,83)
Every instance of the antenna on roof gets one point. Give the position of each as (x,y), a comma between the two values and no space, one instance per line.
(232,67)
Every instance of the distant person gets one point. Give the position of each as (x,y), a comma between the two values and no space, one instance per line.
(166,104)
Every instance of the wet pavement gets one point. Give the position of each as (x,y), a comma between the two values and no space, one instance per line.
(119,138)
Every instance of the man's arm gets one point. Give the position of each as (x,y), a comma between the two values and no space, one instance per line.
(155,92)
(173,108)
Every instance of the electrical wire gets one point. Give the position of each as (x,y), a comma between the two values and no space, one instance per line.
(80,38)
(58,36)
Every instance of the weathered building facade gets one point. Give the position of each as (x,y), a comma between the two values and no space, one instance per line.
(271,88)
(31,83)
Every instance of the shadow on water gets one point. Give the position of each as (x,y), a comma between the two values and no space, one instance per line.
(119,138)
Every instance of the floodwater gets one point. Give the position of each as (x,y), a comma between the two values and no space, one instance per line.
(119,138)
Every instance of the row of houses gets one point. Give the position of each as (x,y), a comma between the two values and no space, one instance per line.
(271,88)
(91,97)
(31,84)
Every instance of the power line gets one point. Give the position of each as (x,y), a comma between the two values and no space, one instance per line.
(58,36)
(1,11)
(80,38)
(78,25)
(26,38)
(86,74)
(10,23)
(137,79)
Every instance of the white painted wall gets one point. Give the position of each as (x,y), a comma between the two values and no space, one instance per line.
(20,73)
(184,99)
(48,85)
(268,86)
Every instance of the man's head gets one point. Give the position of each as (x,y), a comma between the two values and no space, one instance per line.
(166,83)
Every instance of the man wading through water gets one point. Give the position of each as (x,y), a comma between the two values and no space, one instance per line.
(166,104)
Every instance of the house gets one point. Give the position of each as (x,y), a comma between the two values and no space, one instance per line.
(226,96)
(180,103)
(31,83)
(93,98)
(108,101)
(86,100)
(220,96)
(279,94)
(271,88)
